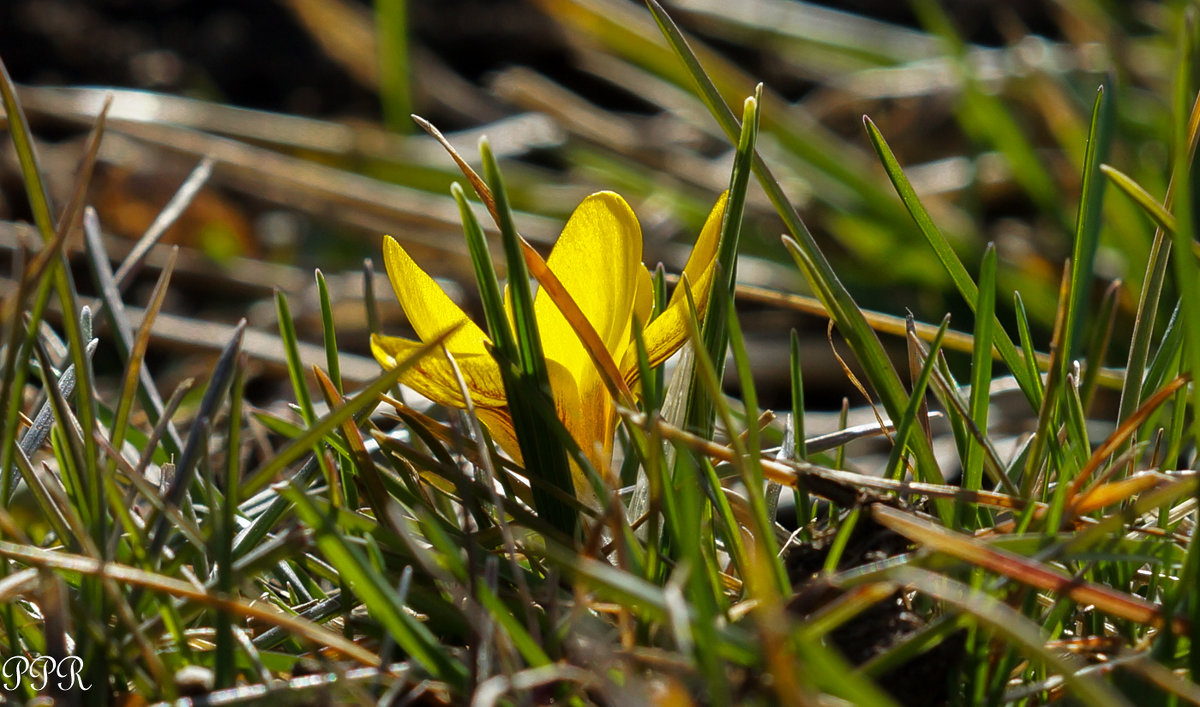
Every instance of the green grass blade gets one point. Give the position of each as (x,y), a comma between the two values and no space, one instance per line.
(981,374)
(542,455)
(714,332)
(804,250)
(908,426)
(395,69)
(332,360)
(1087,228)
(949,259)
(375,593)
(1153,208)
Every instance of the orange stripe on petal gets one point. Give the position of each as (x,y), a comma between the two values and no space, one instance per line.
(596,259)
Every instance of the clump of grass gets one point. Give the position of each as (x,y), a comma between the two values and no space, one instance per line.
(396,555)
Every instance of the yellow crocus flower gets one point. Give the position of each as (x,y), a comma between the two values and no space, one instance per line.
(598,260)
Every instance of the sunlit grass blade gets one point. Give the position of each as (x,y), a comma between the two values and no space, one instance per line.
(1153,208)
(981,370)
(907,426)
(541,454)
(714,332)
(802,246)
(949,259)
(332,360)
(1044,439)
(1088,224)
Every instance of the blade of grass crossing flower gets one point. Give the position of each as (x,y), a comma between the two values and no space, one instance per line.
(714,332)
(1088,222)
(549,282)
(541,454)
(364,398)
(949,259)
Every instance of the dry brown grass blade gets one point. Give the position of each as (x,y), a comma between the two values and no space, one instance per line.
(551,285)
(1103,495)
(1024,570)
(845,488)
(92,567)
(69,219)
(855,382)
(1123,433)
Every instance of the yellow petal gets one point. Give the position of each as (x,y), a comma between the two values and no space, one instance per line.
(429,310)
(500,426)
(588,415)
(705,250)
(597,259)
(433,377)
(667,332)
(643,302)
